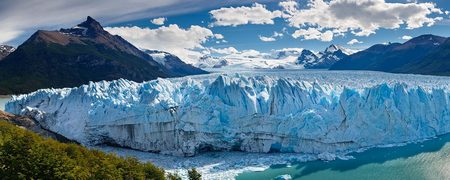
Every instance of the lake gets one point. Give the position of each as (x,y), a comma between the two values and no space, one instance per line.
(426,160)
(3,101)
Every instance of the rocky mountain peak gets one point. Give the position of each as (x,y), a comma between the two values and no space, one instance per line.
(5,50)
(332,48)
(91,24)
(324,59)
(90,28)
(307,57)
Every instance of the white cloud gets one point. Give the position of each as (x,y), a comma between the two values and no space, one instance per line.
(234,16)
(218,36)
(289,7)
(406,37)
(267,39)
(271,38)
(354,41)
(313,33)
(228,50)
(360,17)
(276,53)
(277,34)
(158,21)
(296,50)
(251,53)
(231,52)
(7,35)
(173,39)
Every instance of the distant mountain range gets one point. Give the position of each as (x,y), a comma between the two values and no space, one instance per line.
(208,61)
(426,54)
(75,56)
(324,59)
(289,58)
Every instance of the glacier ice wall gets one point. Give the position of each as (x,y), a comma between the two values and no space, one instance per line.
(305,112)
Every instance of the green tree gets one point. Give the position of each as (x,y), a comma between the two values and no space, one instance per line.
(194,175)
(25,155)
(173,176)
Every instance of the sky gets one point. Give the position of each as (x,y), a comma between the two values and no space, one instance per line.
(193,28)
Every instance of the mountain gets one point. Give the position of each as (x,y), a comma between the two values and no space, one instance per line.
(5,50)
(324,59)
(410,57)
(287,58)
(173,64)
(208,61)
(307,58)
(75,56)
(437,62)
(310,112)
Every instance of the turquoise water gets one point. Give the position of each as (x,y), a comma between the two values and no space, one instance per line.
(426,160)
(3,101)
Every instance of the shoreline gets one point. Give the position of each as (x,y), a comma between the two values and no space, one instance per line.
(229,165)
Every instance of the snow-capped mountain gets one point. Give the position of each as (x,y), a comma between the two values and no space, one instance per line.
(288,58)
(173,64)
(324,59)
(208,61)
(307,58)
(251,59)
(5,50)
(292,111)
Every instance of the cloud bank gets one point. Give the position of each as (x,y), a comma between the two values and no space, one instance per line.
(234,16)
(360,17)
(181,42)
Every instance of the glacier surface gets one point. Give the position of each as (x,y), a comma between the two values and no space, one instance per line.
(311,112)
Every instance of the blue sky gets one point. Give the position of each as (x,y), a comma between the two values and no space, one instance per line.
(240,35)
(247,36)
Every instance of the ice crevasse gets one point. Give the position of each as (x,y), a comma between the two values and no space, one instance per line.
(311,113)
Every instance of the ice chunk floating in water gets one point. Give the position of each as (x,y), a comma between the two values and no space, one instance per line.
(318,112)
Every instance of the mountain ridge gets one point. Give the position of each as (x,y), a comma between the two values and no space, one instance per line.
(75,56)
(395,57)
(324,59)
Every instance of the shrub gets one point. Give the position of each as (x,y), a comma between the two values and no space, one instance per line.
(25,155)
(194,175)
(173,176)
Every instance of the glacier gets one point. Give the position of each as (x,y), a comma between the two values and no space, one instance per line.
(287,111)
